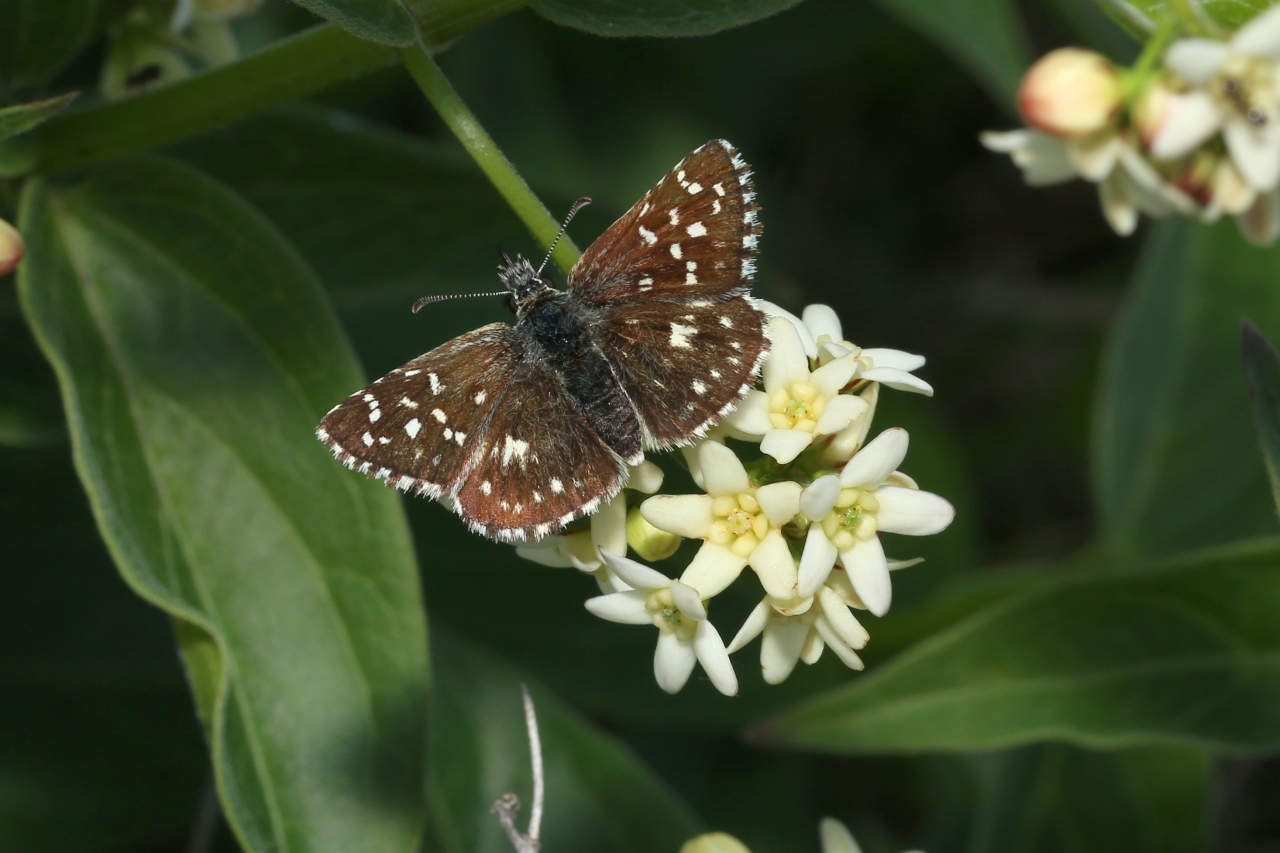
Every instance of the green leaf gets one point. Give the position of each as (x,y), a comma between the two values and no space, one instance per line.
(98,750)
(381,21)
(1170,474)
(1262,369)
(1059,798)
(195,354)
(599,795)
(1186,653)
(657,17)
(984,36)
(23,117)
(1231,14)
(39,38)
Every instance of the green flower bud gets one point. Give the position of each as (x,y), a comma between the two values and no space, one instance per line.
(648,541)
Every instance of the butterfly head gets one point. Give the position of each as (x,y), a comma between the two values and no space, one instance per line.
(523,281)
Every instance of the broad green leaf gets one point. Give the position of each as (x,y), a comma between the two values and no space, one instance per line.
(1262,369)
(984,36)
(1186,653)
(1143,14)
(657,17)
(23,117)
(1059,798)
(38,38)
(98,750)
(383,21)
(195,354)
(599,795)
(1171,471)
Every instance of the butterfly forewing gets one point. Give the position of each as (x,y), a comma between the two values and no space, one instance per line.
(419,426)
(693,235)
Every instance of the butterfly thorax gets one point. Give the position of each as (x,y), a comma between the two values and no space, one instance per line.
(557,329)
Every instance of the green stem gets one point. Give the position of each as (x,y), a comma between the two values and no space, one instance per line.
(440,92)
(1191,15)
(289,69)
(1152,53)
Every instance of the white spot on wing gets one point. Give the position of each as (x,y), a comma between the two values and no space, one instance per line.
(514,448)
(699,387)
(695,188)
(412,372)
(557,487)
(412,427)
(697,229)
(405,401)
(367,439)
(436,385)
(674,213)
(480,398)
(675,251)
(719,188)
(439,415)
(486,487)
(727,323)
(648,236)
(680,335)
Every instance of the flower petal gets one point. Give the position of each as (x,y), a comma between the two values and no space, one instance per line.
(822,320)
(811,651)
(673,662)
(780,502)
(774,566)
(788,361)
(899,380)
(912,512)
(893,358)
(1196,60)
(834,375)
(841,447)
(609,528)
(1260,224)
(784,445)
(1261,36)
(645,477)
(713,569)
(869,573)
(722,472)
(685,515)
(1193,118)
(1255,151)
(815,562)
(1093,158)
(688,601)
(780,648)
(876,461)
(841,410)
(714,658)
(752,627)
(1042,158)
(638,575)
(543,554)
(846,654)
(624,607)
(752,415)
(820,496)
(806,337)
(836,838)
(846,627)
(1119,211)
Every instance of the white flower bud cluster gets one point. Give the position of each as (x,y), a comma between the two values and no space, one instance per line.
(806,516)
(1193,129)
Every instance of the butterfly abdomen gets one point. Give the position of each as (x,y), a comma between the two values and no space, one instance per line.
(560,334)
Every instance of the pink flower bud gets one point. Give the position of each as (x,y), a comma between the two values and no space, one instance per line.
(1070,92)
(11,247)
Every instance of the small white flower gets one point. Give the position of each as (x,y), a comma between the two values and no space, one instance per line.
(797,403)
(847,513)
(685,637)
(799,629)
(1235,92)
(889,367)
(740,523)
(1127,184)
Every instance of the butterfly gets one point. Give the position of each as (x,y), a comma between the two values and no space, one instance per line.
(529,427)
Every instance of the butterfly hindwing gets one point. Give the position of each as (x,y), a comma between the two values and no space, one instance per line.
(693,235)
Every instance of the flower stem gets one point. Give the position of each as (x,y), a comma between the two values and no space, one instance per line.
(1152,53)
(289,69)
(440,92)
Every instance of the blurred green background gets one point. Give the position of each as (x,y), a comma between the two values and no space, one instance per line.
(861,122)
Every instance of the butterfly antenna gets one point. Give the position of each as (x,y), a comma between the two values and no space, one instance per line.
(577,205)
(427,300)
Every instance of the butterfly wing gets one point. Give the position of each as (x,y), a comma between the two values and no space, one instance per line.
(671,278)
(693,236)
(457,421)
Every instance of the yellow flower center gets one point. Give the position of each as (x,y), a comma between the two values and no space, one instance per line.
(738,523)
(796,407)
(852,519)
(662,609)
(1246,85)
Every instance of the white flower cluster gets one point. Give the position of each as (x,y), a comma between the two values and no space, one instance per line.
(1192,129)
(834,836)
(806,517)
